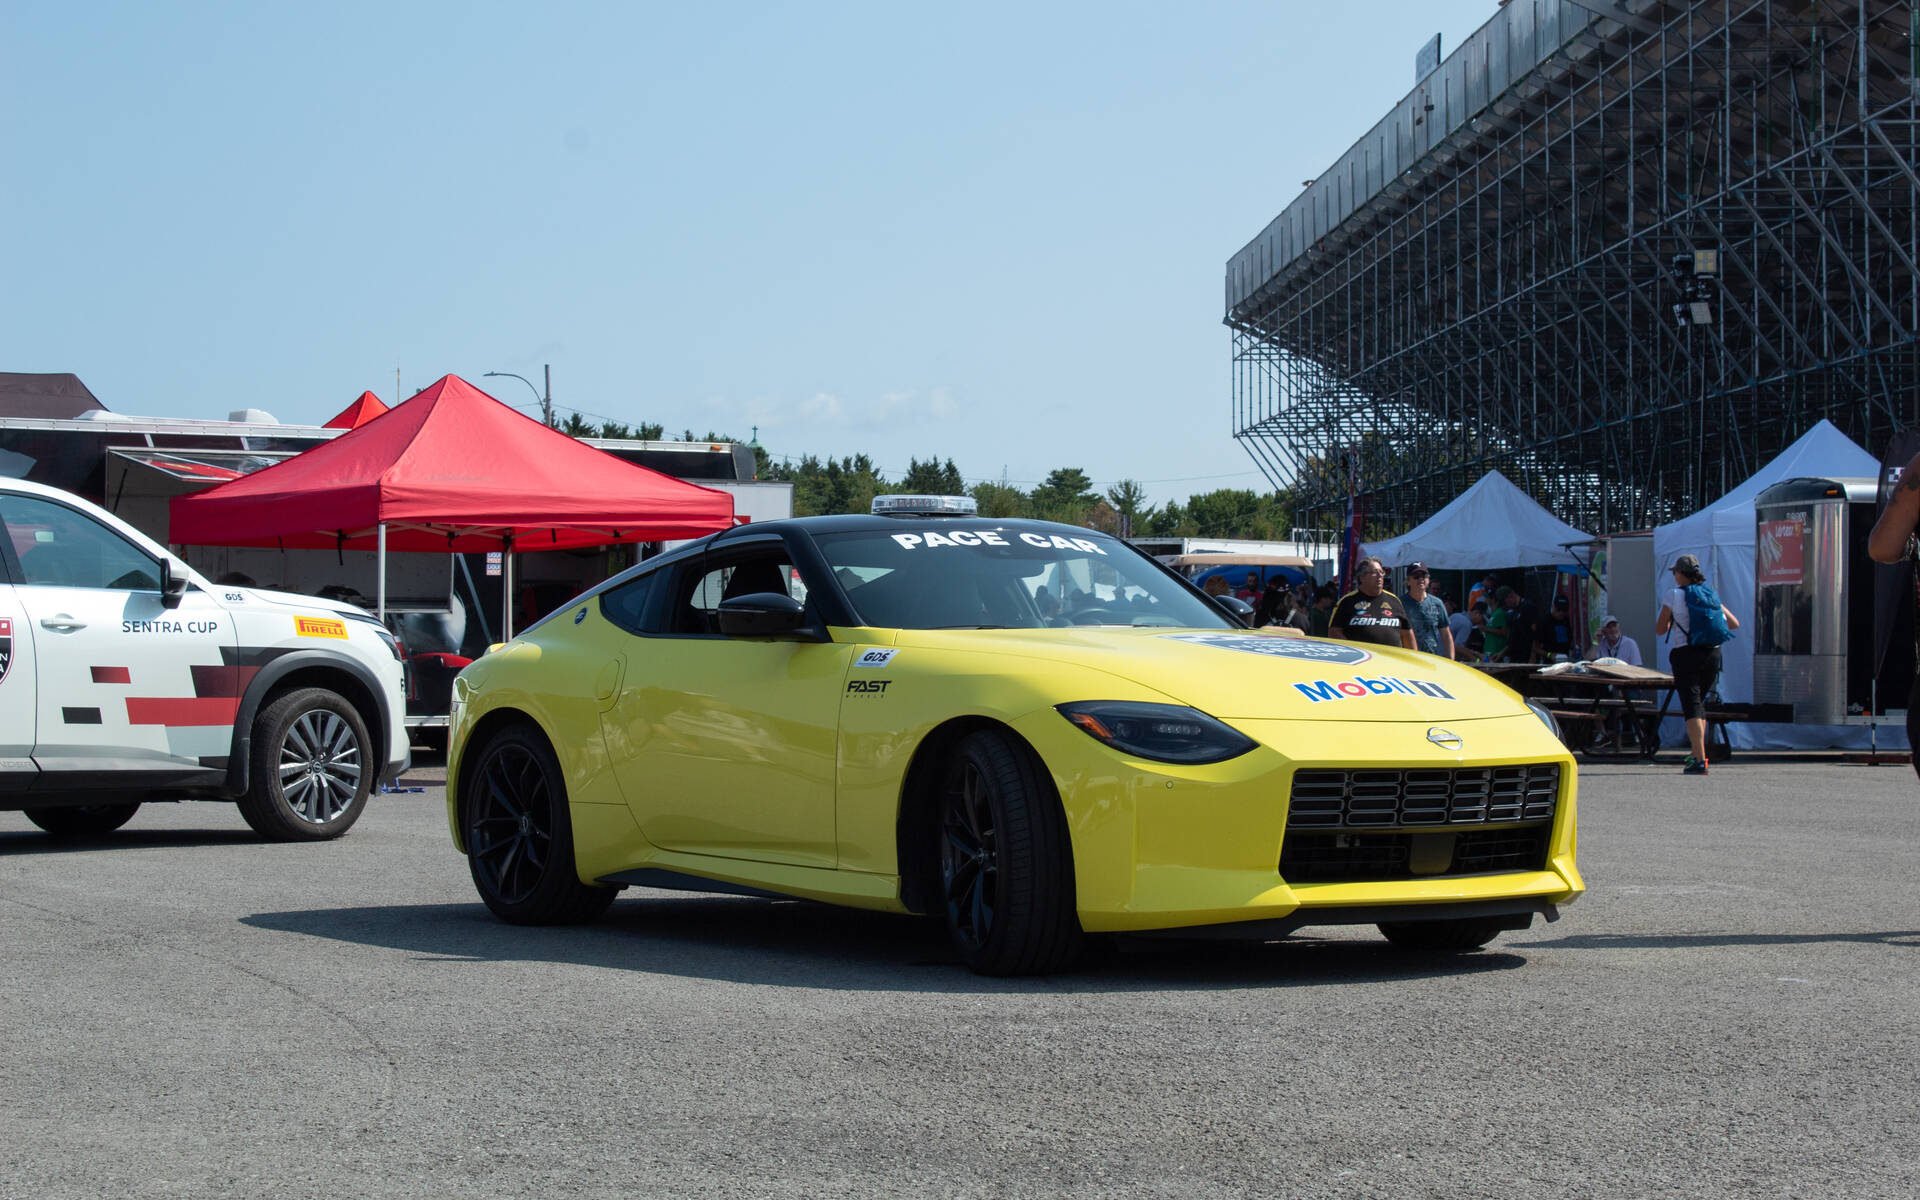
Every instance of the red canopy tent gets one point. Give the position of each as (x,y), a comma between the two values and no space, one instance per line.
(354,415)
(450,470)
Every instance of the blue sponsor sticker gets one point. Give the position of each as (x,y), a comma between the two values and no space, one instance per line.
(580,616)
(1280,646)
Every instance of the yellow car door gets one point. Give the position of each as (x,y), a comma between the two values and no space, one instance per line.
(727,746)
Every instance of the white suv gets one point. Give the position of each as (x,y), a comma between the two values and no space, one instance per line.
(125,677)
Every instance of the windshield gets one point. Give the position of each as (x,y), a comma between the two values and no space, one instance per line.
(943,576)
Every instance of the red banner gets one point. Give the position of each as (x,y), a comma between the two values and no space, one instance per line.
(1778,553)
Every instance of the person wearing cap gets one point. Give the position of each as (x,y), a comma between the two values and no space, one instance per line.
(1427,614)
(1614,644)
(1695,668)
(1560,645)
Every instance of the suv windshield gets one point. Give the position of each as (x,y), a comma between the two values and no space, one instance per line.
(946,576)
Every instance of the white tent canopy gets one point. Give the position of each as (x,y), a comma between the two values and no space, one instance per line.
(1721,537)
(1492,524)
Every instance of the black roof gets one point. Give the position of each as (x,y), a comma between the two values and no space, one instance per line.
(58,396)
(869,522)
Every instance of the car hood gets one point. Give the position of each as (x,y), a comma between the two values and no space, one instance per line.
(1254,675)
(321,604)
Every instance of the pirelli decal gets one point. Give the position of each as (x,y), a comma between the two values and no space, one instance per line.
(319,627)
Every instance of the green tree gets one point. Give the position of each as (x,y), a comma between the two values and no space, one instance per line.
(1128,499)
(615,430)
(1066,496)
(932,479)
(576,426)
(999,500)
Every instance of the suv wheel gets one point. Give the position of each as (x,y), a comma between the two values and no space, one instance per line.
(312,768)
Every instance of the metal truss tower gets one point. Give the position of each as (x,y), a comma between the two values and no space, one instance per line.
(1622,252)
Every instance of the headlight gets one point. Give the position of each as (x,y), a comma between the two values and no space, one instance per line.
(1162,732)
(393,643)
(1540,710)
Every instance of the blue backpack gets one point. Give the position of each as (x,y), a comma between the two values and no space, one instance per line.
(1706,623)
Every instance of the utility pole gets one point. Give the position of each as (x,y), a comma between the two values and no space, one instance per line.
(546,401)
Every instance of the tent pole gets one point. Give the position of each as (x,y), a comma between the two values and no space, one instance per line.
(380,575)
(506,592)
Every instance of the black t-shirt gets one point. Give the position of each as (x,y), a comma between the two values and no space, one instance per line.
(1376,619)
(1523,630)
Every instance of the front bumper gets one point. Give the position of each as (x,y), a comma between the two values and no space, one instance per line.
(1157,846)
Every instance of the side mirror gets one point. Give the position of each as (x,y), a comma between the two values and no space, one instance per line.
(1236,608)
(762,614)
(173,583)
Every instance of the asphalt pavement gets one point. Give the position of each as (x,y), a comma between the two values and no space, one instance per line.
(1729,1012)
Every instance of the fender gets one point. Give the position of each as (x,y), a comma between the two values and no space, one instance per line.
(239,763)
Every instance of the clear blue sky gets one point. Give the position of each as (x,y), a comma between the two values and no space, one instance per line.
(989,232)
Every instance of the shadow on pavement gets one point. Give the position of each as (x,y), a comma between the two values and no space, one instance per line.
(36,842)
(1693,941)
(812,945)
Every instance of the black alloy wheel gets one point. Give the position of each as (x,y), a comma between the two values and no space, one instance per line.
(969,852)
(518,836)
(86,820)
(1006,865)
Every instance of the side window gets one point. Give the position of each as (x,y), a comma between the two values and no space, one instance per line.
(59,547)
(626,605)
(704,586)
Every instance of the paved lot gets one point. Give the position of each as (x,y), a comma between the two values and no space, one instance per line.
(1730,1012)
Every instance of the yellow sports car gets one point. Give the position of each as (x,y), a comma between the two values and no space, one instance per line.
(1031,730)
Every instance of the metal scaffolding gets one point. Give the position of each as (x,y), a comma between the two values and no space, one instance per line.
(1622,252)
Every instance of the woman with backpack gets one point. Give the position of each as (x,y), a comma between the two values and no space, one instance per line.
(1694,610)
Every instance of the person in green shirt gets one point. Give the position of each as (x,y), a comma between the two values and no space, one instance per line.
(1497,627)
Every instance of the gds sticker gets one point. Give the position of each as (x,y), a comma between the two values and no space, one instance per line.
(875,657)
(1280,646)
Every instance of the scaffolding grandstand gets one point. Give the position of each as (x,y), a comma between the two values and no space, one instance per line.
(1622,252)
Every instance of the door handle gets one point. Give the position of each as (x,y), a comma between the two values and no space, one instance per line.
(62,622)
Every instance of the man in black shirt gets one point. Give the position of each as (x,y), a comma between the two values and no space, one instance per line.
(1370,613)
(1523,627)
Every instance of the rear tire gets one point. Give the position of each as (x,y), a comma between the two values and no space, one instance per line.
(1442,937)
(519,836)
(1006,864)
(87,820)
(312,768)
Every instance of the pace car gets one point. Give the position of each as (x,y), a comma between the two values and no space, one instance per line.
(1032,731)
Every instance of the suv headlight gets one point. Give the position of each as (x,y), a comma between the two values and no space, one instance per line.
(1162,732)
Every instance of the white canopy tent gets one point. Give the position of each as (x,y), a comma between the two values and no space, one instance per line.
(1492,524)
(1721,537)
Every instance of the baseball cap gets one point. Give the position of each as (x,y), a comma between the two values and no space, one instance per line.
(1609,619)
(1418,568)
(1687,564)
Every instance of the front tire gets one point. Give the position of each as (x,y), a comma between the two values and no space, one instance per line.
(1006,865)
(519,837)
(1442,937)
(87,820)
(312,768)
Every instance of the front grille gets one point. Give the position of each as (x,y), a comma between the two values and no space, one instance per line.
(1378,857)
(1396,799)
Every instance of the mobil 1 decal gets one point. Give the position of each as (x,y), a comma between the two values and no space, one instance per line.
(6,648)
(1279,646)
